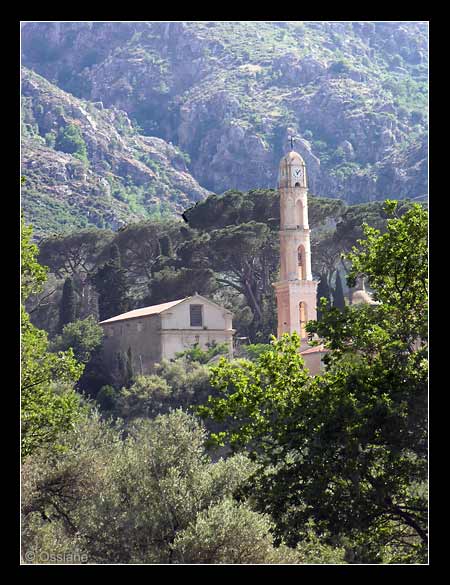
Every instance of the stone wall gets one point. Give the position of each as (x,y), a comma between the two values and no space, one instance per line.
(142,335)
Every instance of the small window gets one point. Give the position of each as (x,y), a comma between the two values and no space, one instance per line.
(196,315)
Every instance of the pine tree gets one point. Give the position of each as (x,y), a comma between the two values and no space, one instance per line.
(110,283)
(338,294)
(67,310)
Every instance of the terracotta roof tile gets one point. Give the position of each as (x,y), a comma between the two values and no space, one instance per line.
(315,349)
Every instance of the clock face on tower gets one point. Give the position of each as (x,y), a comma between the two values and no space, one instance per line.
(297,173)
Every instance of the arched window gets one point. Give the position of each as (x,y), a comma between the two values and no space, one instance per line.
(301,263)
(302,316)
(297,185)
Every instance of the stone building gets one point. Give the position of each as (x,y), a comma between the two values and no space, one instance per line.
(158,332)
(296,291)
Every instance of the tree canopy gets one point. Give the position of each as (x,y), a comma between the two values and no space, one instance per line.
(48,401)
(347,448)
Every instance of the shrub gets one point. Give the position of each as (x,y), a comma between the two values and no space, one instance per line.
(70,140)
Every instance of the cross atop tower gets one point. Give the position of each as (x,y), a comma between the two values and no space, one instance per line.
(292,139)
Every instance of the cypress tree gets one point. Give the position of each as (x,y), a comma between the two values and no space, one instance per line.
(323,290)
(338,294)
(110,283)
(165,246)
(67,309)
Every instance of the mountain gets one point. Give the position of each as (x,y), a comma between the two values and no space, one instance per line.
(85,165)
(229,94)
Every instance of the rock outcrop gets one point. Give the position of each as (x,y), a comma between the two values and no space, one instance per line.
(123,177)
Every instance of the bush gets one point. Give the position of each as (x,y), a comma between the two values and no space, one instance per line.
(70,140)
(50,139)
(197,354)
(84,337)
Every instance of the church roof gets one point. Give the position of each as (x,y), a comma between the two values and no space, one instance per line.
(152,310)
(157,309)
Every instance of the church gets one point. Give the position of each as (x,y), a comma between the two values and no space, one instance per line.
(150,334)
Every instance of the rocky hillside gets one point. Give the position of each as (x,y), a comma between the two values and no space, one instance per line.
(86,165)
(230,93)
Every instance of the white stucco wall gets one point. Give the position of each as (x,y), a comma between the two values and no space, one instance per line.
(178,317)
(177,334)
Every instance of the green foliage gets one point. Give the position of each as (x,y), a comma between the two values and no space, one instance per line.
(84,337)
(230,532)
(255,399)
(396,264)
(338,293)
(50,139)
(347,448)
(197,354)
(125,499)
(68,309)
(169,284)
(339,67)
(33,275)
(181,383)
(106,398)
(110,283)
(50,215)
(70,140)
(252,351)
(48,401)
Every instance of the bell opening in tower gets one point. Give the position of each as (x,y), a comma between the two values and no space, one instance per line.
(302,315)
(300,262)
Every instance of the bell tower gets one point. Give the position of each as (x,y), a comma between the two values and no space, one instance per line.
(296,291)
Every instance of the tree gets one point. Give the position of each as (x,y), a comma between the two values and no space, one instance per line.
(33,275)
(323,291)
(203,356)
(231,532)
(111,285)
(338,293)
(76,253)
(347,448)
(140,249)
(49,403)
(84,337)
(180,383)
(166,246)
(171,284)
(67,310)
(127,497)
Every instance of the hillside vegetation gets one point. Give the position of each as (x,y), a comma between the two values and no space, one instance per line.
(87,166)
(228,94)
